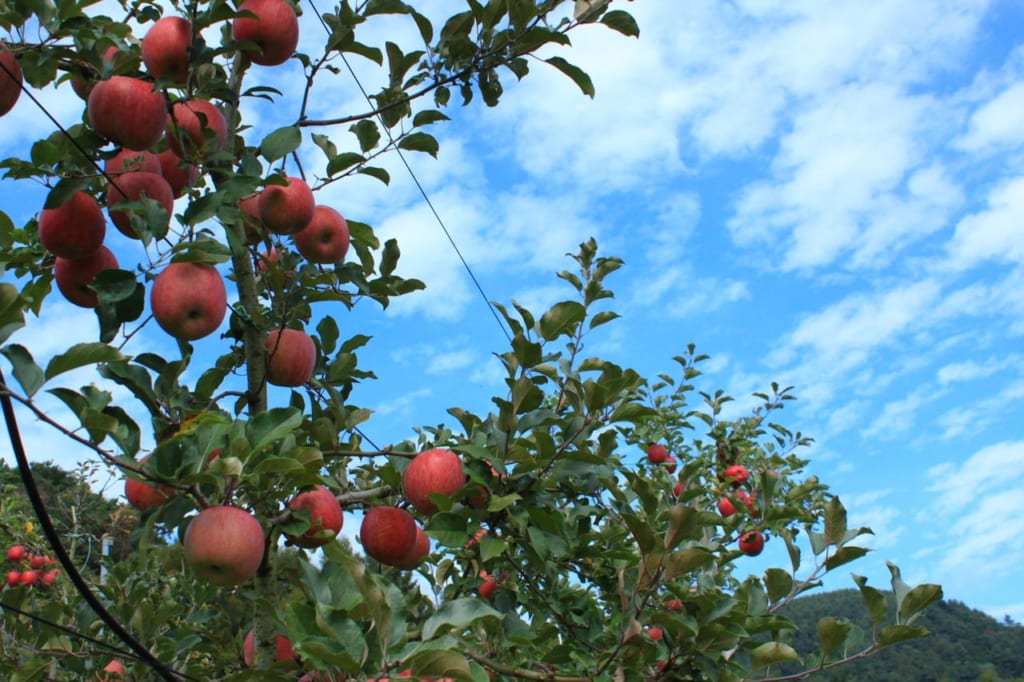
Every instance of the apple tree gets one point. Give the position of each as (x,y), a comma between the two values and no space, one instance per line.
(597,524)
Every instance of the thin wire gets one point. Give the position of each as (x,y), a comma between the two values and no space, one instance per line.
(71,631)
(419,186)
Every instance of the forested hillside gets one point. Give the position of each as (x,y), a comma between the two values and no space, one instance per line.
(966,645)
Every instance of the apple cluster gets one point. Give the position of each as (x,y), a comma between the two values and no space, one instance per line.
(35,569)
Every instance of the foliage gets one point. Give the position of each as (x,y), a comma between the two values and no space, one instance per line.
(587,550)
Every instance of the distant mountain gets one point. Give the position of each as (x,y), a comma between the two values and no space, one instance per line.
(966,645)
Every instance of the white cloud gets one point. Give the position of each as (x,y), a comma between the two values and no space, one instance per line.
(996,233)
(898,417)
(996,124)
(450,361)
(970,370)
(983,413)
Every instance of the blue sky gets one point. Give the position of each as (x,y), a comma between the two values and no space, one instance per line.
(830,196)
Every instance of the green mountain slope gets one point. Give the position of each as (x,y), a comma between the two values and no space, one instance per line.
(966,645)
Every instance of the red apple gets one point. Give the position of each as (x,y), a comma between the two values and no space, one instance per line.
(11,79)
(28,578)
(751,543)
(737,474)
(437,471)
(165,48)
(128,111)
(291,357)
(267,260)
(113,668)
(677,489)
(674,604)
(274,29)
(224,545)
(144,495)
(132,187)
(16,553)
(74,275)
(13,578)
(324,513)
(128,160)
(36,561)
(74,229)
(656,453)
(282,649)
(325,238)
(286,209)
(655,633)
(488,587)
(195,128)
(388,534)
(670,464)
(179,174)
(250,208)
(49,578)
(189,300)
(419,551)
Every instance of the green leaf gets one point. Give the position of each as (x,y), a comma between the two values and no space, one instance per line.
(367,133)
(64,190)
(389,259)
(918,599)
(271,426)
(457,615)
(845,555)
(899,587)
(772,653)
(434,663)
(621,21)
(561,318)
(80,355)
(778,582)
(835,521)
(375,172)
(420,142)
(578,75)
(428,116)
(202,250)
(11,316)
(894,634)
(344,161)
(26,371)
(602,318)
(873,599)
(280,143)
(831,634)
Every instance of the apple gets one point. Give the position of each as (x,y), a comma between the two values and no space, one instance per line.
(282,649)
(674,604)
(179,174)
(13,578)
(437,471)
(670,464)
(224,545)
(419,551)
(16,553)
(250,208)
(656,453)
(115,667)
(36,561)
(144,495)
(291,357)
(74,275)
(488,587)
(324,513)
(738,474)
(388,534)
(286,209)
(74,229)
(325,238)
(132,187)
(655,633)
(677,489)
(11,79)
(267,260)
(165,48)
(195,128)
(189,300)
(726,508)
(128,160)
(49,578)
(751,543)
(127,111)
(28,578)
(274,29)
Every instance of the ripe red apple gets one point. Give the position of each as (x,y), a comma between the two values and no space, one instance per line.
(115,667)
(16,553)
(325,238)
(13,578)
(128,160)
(165,48)
(674,604)
(250,208)
(49,578)
(737,474)
(189,300)
(388,534)
(656,453)
(144,495)
(74,229)
(677,489)
(36,561)
(282,649)
(433,471)
(274,29)
(179,174)
(11,79)
(419,551)
(655,633)
(74,275)
(488,587)
(751,543)
(128,111)
(190,123)
(29,578)
(291,357)
(726,508)
(670,464)
(132,187)
(224,545)
(324,513)
(286,209)
(266,260)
